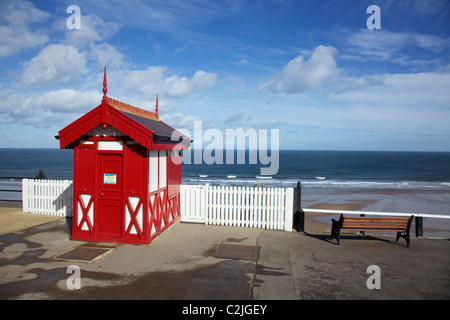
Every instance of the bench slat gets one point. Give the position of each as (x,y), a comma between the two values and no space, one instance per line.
(369,224)
(360,227)
(376,219)
(373,219)
(374,229)
(375,223)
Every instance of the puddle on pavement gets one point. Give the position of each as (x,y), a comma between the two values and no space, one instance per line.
(239,252)
(44,284)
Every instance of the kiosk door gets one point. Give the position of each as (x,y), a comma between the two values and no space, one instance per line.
(109,196)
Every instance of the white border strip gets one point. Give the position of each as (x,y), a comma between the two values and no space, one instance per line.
(337,211)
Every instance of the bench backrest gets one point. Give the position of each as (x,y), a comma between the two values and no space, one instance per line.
(376,223)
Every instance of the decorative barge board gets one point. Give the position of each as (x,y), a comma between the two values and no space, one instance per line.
(127,173)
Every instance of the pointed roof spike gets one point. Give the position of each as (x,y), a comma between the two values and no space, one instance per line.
(156,108)
(105,89)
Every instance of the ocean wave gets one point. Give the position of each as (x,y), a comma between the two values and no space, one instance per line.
(375,184)
(313,183)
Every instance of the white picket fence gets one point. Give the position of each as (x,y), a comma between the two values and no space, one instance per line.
(254,207)
(49,197)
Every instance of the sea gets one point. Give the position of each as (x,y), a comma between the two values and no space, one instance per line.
(313,169)
(334,169)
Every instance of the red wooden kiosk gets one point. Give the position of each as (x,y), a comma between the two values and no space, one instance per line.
(127,173)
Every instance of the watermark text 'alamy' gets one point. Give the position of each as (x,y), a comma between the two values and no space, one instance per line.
(209,145)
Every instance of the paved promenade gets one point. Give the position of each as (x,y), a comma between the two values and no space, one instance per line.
(182,263)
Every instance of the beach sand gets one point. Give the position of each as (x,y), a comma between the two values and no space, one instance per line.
(14,219)
(321,222)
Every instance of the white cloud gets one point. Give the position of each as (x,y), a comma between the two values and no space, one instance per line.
(145,82)
(17,18)
(388,46)
(177,87)
(423,91)
(237,119)
(176,17)
(300,75)
(180,121)
(93,29)
(8,103)
(104,54)
(66,101)
(416,102)
(56,63)
(17,13)
(65,61)
(350,84)
(58,107)
(47,108)
(13,40)
(154,79)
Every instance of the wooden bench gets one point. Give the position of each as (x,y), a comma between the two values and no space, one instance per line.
(400,224)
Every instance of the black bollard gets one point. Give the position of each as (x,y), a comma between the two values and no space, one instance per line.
(299,214)
(419,226)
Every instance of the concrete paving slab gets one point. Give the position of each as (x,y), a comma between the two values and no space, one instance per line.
(309,266)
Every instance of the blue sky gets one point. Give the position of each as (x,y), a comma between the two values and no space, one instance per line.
(311,69)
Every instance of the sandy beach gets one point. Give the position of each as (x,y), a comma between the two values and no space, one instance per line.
(317,223)
(14,219)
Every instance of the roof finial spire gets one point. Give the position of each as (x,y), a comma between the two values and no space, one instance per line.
(156,108)
(105,89)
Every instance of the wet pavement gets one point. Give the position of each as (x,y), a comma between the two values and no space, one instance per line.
(32,266)
(183,263)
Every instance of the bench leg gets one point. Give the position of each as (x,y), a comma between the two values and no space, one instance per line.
(404,235)
(333,228)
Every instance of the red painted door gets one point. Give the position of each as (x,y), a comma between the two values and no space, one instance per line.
(109,196)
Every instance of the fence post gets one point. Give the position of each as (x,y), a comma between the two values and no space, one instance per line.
(25,195)
(67,192)
(288,210)
(70,198)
